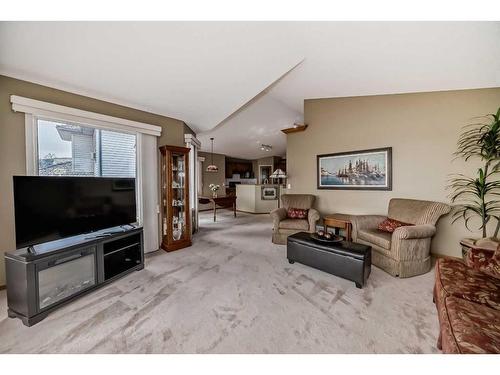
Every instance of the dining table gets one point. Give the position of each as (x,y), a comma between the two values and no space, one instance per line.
(221,201)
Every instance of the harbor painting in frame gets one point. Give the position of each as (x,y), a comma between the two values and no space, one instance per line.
(356,170)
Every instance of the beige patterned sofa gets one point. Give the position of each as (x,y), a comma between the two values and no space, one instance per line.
(406,252)
(283,226)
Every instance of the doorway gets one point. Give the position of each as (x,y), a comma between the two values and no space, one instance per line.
(265,172)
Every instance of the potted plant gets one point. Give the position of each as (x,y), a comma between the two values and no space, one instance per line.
(478,196)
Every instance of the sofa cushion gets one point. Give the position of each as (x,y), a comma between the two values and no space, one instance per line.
(382,239)
(297,200)
(299,224)
(297,213)
(471,328)
(454,278)
(390,225)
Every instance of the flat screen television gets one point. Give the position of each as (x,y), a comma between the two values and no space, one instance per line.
(50,208)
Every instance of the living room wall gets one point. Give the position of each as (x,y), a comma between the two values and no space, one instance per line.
(12,140)
(421,128)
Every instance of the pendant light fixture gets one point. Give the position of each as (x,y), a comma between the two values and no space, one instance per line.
(212,167)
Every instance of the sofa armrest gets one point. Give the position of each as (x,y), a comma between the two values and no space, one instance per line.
(484,260)
(313,217)
(414,232)
(412,242)
(278,214)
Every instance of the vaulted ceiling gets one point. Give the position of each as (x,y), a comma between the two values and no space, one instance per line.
(244,81)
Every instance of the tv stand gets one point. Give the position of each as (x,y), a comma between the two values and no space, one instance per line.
(57,272)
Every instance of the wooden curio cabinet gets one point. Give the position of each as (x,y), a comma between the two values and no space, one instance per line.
(176,223)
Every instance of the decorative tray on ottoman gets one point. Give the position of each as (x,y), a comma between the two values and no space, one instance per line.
(323,239)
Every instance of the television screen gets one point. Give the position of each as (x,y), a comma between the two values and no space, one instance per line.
(49,208)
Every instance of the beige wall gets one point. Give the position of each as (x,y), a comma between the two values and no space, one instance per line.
(422,130)
(208,178)
(188,130)
(12,140)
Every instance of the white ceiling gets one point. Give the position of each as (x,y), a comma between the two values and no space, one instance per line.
(372,58)
(257,123)
(233,81)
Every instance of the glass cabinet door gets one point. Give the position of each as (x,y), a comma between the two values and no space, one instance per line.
(179,196)
(164,196)
(175,198)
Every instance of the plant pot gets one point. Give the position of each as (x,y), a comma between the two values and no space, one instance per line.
(490,243)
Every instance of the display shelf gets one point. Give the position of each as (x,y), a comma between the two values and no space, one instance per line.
(176,228)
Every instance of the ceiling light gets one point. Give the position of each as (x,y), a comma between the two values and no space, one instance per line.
(212,167)
(266,148)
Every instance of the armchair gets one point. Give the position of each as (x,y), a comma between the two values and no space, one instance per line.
(283,226)
(406,252)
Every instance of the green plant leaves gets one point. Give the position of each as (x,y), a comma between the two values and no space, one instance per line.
(477,197)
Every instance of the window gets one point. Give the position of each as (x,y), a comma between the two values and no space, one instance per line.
(68,149)
(116,147)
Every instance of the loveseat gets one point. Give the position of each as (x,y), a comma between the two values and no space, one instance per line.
(467,297)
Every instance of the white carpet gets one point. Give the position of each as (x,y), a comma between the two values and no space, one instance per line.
(233,291)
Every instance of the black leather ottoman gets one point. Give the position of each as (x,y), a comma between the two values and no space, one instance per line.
(349,260)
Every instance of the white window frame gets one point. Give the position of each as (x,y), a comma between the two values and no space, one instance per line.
(32,167)
(36,109)
(32,151)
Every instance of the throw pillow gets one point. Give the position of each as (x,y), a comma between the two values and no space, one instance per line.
(297,213)
(390,225)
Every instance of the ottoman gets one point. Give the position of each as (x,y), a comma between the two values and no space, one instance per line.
(349,260)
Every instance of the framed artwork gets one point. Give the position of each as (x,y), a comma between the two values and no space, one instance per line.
(269,193)
(356,170)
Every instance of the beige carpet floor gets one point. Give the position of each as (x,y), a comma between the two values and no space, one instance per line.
(233,291)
